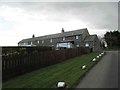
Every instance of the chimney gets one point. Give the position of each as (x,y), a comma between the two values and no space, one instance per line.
(33,36)
(62,31)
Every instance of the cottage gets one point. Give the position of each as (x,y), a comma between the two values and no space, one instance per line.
(69,39)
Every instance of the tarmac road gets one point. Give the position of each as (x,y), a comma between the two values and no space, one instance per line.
(104,74)
(0,79)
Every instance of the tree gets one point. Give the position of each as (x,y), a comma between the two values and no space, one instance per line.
(113,39)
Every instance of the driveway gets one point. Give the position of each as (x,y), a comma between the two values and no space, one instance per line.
(104,74)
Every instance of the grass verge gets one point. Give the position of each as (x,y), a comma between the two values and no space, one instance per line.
(69,71)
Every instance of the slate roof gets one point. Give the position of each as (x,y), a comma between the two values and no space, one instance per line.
(64,34)
(90,38)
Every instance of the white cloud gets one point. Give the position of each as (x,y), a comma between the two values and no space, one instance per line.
(26,24)
(17,23)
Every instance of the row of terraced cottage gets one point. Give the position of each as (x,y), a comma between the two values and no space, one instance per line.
(69,39)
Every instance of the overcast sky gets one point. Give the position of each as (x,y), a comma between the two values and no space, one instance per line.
(20,20)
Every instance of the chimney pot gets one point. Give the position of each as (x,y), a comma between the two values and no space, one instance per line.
(63,30)
(33,36)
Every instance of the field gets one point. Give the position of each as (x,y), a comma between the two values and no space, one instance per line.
(69,71)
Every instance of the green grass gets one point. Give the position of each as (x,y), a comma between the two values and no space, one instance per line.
(69,71)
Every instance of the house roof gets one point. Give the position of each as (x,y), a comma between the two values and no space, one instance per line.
(64,34)
(90,38)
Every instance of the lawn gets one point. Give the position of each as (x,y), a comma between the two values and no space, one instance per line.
(69,71)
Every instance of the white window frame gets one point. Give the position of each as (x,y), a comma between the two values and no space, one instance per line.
(63,38)
(66,45)
(20,44)
(42,41)
(87,44)
(31,43)
(77,45)
(77,37)
(51,40)
(38,41)
(25,43)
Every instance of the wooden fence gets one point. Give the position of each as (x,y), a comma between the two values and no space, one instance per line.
(16,65)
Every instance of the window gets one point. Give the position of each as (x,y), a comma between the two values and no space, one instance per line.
(57,45)
(76,37)
(63,38)
(20,44)
(77,45)
(25,43)
(38,41)
(31,43)
(51,40)
(64,45)
(68,45)
(42,41)
(87,45)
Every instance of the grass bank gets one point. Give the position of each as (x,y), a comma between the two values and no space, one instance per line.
(69,71)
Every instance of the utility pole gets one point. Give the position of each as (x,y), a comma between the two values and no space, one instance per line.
(110,41)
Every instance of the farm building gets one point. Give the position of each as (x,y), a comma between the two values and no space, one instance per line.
(69,39)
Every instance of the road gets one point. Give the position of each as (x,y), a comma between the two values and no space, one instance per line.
(104,74)
(0,68)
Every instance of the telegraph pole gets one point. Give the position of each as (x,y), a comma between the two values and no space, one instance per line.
(110,41)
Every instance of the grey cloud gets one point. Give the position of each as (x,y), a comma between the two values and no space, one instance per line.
(103,15)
